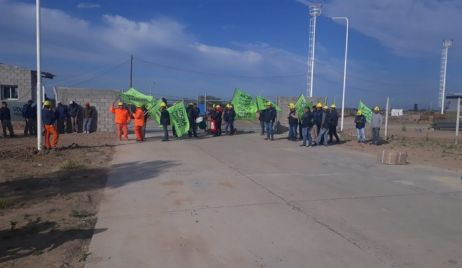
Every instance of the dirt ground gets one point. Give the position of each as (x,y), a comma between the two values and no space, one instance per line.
(48,200)
(423,145)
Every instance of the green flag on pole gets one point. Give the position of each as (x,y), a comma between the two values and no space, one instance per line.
(367,112)
(244,105)
(261,104)
(154,111)
(134,97)
(179,118)
(300,106)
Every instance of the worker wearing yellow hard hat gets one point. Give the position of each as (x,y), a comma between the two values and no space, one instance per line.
(376,123)
(49,119)
(121,119)
(333,123)
(217,119)
(293,122)
(317,118)
(323,123)
(193,114)
(268,117)
(360,123)
(164,119)
(229,116)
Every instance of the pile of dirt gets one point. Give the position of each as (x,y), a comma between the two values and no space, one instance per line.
(49,199)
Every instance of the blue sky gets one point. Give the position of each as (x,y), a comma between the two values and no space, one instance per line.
(188,47)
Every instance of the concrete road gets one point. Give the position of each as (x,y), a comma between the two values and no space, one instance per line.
(240,201)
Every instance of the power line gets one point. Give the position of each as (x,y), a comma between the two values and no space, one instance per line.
(99,74)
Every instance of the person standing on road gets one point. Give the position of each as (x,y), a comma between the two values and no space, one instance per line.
(49,117)
(317,117)
(62,117)
(74,112)
(139,122)
(218,117)
(229,117)
(360,121)
(87,118)
(28,115)
(164,119)
(192,116)
(376,123)
(269,117)
(333,123)
(323,132)
(5,118)
(262,123)
(121,119)
(307,124)
(293,122)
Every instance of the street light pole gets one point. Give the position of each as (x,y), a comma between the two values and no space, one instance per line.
(39,76)
(344,68)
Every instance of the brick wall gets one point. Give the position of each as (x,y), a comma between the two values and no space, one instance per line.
(100,99)
(16,76)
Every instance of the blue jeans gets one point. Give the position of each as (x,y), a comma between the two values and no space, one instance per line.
(361,134)
(375,135)
(269,130)
(323,132)
(306,132)
(87,124)
(293,132)
(229,128)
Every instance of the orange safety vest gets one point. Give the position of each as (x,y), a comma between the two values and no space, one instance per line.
(139,117)
(122,116)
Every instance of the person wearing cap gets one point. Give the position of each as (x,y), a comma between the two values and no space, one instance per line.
(307,124)
(293,122)
(192,116)
(62,117)
(317,117)
(29,115)
(324,125)
(5,118)
(376,123)
(164,119)
(269,117)
(88,114)
(333,123)
(74,113)
(229,116)
(49,117)
(139,122)
(360,123)
(121,119)
(218,117)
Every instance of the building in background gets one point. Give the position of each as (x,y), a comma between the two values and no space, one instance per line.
(451,102)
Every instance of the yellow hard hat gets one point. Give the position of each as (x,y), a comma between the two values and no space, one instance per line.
(325,107)
(163,104)
(47,103)
(376,108)
(318,105)
(269,103)
(291,105)
(333,106)
(218,106)
(120,103)
(359,112)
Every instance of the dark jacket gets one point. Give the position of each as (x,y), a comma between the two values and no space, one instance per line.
(229,115)
(87,112)
(27,111)
(307,119)
(49,116)
(5,113)
(217,115)
(192,114)
(317,117)
(268,115)
(164,117)
(74,109)
(333,119)
(293,120)
(360,121)
(325,118)
(62,112)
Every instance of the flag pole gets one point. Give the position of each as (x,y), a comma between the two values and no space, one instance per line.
(39,76)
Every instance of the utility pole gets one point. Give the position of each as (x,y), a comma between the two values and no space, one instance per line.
(387,107)
(39,76)
(444,65)
(315,11)
(458,121)
(131,71)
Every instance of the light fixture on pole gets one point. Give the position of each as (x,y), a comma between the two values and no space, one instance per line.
(344,68)
(315,11)
(39,77)
(444,66)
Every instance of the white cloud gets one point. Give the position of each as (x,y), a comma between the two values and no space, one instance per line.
(88,5)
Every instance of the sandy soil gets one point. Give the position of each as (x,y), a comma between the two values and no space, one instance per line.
(48,201)
(424,145)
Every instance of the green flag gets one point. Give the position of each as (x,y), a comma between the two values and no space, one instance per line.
(134,97)
(179,118)
(300,106)
(367,112)
(154,111)
(261,104)
(244,105)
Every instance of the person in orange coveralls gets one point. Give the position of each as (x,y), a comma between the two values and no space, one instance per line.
(139,122)
(121,119)
(49,117)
